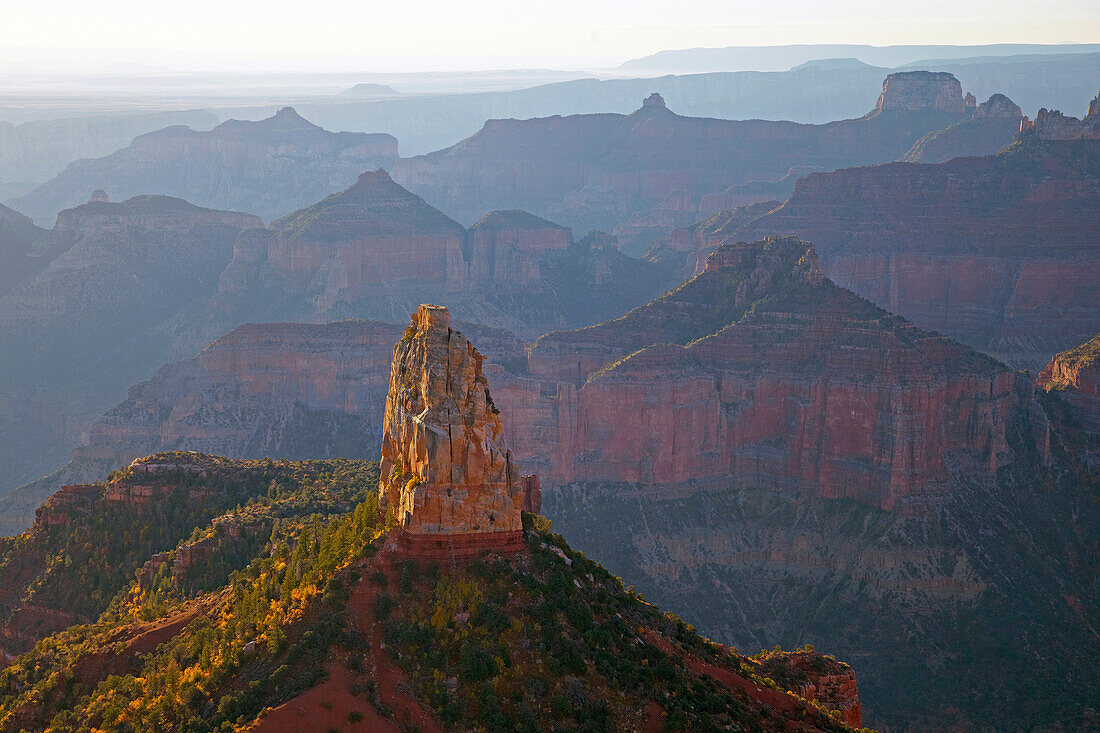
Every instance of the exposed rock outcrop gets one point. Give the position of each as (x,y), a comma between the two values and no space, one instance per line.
(377,249)
(917,91)
(270,167)
(445,467)
(853,402)
(1053,125)
(1075,374)
(993,126)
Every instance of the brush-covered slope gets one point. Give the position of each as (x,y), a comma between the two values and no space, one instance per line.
(596,171)
(88,540)
(269,167)
(269,618)
(999,252)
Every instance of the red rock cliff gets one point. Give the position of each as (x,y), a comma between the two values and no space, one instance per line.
(775,378)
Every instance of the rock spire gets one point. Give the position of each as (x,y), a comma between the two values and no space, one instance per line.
(447,475)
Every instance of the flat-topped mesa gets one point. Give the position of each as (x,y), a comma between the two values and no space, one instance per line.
(916,91)
(447,477)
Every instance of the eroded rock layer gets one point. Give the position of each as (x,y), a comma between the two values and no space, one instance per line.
(445,467)
(999,252)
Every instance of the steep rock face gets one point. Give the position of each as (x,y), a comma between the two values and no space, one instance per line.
(1075,374)
(270,167)
(18,257)
(600,171)
(81,329)
(852,402)
(998,252)
(911,91)
(277,390)
(505,247)
(339,249)
(445,467)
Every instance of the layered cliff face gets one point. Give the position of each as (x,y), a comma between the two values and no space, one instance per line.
(599,171)
(505,247)
(445,467)
(269,168)
(99,314)
(993,127)
(913,91)
(1075,375)
(998,252)
(762,370)
(376,250)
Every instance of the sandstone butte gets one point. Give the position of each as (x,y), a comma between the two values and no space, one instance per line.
(447,477)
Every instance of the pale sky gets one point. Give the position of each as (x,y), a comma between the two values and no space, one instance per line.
(360,35)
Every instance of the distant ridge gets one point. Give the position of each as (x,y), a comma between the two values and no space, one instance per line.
(781,58)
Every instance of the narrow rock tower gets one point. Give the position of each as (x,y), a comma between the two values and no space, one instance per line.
(446,475)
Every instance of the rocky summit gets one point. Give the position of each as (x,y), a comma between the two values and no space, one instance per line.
(445,468)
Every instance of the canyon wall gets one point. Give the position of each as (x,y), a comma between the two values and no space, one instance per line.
(270,167)
(599,171)
(998,252)
(1075,375)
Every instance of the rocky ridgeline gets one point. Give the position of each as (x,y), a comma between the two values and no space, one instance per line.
(376,249)
(448,479)
(1053,125)
(797,385)
(1075,375)
(642,174)
(142,484)
(269,167)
